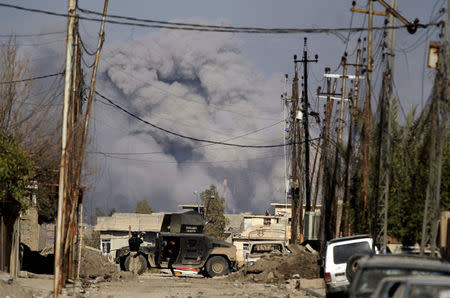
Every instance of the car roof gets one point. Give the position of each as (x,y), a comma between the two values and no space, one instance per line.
(354,237)
(268,242)
(404,262)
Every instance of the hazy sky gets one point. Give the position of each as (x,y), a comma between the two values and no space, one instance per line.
(208,85)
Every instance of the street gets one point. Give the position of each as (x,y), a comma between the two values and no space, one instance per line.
(159,285)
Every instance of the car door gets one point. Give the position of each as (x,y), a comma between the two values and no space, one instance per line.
(192,250)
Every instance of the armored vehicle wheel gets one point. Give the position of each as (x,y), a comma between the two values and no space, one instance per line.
(136,264)
(216,266)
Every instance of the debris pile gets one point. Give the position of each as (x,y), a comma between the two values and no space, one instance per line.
(94,264)
(276,268)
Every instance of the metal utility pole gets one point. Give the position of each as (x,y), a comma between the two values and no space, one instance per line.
(305,62)
(348,158)
(439,126)
(384,148)
(294,180)
(412,28)
(341,111)
(366,132)
(339,140)
(62,191)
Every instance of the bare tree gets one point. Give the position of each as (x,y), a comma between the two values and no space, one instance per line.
(29,112)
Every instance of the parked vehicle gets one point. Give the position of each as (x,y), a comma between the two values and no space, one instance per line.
(257,249)
(181,250)
(372,269)
(412,287)
(339,252)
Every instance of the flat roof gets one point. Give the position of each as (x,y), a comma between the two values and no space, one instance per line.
(289,204)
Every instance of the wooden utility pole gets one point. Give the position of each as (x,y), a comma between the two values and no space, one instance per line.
(325,134)
(333,193)
(294,185)
(101,38)
(326,210)
(62,191)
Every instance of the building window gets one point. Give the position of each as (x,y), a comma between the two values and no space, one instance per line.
(106,246)
(267,221)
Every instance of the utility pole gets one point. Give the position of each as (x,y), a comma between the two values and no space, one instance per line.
(294,185)
(101,39)
(62,191)
(326,210)
(384,139)
(438,118)
(366,132)
(305,62)
(337,213)
(349,152)
(339,140)
(348,158)
(412,28)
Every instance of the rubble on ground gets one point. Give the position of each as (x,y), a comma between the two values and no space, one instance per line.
(95,265)
(279,268)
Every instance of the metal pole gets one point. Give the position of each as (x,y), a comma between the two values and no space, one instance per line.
(80,235)
(64,143)
(349,153)
(341,112)
(294,185)
(340,131)
(365,162)
(391,60)
(306,129)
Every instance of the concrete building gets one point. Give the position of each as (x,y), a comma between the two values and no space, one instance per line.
(115,230)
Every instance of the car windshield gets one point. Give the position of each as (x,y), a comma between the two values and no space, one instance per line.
(371,277)
(341,253)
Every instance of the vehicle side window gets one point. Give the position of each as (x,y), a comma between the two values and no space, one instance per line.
(266,247)
(341,253)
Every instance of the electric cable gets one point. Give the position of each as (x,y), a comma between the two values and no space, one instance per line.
(32,79)
(221,29)
(32,34)
(190,137)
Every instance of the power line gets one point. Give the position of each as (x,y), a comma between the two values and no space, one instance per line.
(32,34)
(189,137)
(221,29)
(33,78)
(107,155)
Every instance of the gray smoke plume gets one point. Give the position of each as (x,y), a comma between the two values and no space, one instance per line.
(196,84)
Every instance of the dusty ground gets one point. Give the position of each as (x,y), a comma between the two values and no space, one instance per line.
(275,275)
(160,285)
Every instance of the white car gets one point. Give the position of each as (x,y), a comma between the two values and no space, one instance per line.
(337,254)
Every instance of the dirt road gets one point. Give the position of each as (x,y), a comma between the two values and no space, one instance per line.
(157,285)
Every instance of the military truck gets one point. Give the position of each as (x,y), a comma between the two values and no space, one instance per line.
(181,244)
